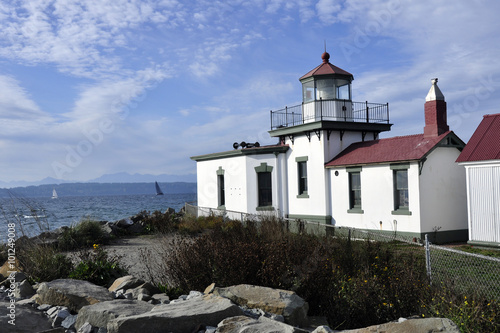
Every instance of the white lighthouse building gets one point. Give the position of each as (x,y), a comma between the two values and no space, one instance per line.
(330,166)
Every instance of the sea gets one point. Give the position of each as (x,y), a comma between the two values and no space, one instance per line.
(35,215)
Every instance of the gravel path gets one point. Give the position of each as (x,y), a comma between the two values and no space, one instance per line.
(140,255)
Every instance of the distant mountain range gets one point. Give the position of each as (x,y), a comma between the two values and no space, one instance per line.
(120,177)
(97,189)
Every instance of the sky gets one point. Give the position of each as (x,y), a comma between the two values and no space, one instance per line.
(105,86)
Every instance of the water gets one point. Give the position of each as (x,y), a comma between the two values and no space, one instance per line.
(40,213)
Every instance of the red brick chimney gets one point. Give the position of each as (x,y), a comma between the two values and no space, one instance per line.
(435,112)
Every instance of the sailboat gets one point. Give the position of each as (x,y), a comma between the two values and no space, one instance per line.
(158,189)
(54,194)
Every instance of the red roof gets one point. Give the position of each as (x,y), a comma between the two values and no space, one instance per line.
(484,144)
(396,149)
(326,69)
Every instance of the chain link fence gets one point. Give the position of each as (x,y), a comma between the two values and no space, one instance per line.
(461,271)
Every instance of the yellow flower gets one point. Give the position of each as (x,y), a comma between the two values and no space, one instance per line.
(96,246)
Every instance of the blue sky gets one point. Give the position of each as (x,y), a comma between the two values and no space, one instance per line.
(96,87)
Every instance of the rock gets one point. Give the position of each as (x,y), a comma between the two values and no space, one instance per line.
(59,317)
(44,307)
(54,330)
(18,276)
(193,294)
(124,223)
(69,321)
(125,282)
(24,290)
(323,329)
(52,311)
(27,319)
(5,269)
(177,317)
(28,302)
(143,297)
(245,324)
(162,298)
(71,293)
(136,228)
(421,325)
(170,211)
(86,328)
(286,303)
(209,289)
(100,314)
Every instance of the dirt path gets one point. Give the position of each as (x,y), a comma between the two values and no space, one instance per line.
(140,255)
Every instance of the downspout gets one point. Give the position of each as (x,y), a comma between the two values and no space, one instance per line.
(282,185)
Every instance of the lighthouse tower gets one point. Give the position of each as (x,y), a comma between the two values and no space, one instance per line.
(325,123)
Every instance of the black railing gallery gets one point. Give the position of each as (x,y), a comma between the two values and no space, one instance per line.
(330,110)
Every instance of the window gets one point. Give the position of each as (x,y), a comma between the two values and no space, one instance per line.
(220,186)
(354,190)
(401,197)
(302,176)
(401,189)
(264,187)
(308,91)
(221,193)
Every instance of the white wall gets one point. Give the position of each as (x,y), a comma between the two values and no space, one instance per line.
(483,188)
(443,192)
(240,181)
(319,151)
(234,179)
(377,200)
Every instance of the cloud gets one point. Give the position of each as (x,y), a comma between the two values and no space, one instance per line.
(327,10)
(73,35)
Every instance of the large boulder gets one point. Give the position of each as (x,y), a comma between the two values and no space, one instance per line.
(23,290)
(73,294)
(282,302)
(420,325)
(245,324)
(182,316)
(101,313)
(125,282)
(26,318)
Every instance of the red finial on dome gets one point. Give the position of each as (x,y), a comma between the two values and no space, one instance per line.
(326,57)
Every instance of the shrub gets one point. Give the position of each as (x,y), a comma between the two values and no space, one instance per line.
(84,234)
(472,313)
(353,283)
(97,267)
(41,262)
(158,222)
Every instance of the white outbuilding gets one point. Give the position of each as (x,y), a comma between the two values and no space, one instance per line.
(481,159)
(330,166)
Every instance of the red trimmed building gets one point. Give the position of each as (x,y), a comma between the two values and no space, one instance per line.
(330,166)
(481,159)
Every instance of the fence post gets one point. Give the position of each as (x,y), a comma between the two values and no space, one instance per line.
(428,259)
(367,116)
(286,116)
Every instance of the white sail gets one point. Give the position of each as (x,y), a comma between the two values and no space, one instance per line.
(54,194)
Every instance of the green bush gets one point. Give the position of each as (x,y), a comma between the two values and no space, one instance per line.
(84,234)
(97,267)
(470,312)
(158,222)
(353,283)
(41,262)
